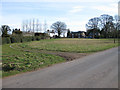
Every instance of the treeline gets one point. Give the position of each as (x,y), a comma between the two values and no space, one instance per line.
(105,26)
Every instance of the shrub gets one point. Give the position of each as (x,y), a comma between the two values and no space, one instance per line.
(6,40)
(15,39)
(8,67)
(33,38)
(20,39)
(27,39)
(37,38)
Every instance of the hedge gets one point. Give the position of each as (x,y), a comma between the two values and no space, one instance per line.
(15,39)
(20,39)
(6,40)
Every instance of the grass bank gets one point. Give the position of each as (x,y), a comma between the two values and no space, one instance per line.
(17,61)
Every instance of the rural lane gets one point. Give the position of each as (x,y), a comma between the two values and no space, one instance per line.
(98,70)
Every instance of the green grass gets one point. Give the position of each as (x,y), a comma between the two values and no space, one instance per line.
(17,61)
(72,45)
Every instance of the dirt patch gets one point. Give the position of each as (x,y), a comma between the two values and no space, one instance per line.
(67,55)
(72,56)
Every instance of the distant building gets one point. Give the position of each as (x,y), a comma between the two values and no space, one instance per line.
(43,35)
(39,34)
(28,33)
(96,35)
(78,34)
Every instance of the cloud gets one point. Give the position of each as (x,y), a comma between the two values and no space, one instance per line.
(109,9)
(67,15)
(76,25)
(76,9)
(59,1)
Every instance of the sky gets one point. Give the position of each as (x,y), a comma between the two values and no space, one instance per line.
(75,13)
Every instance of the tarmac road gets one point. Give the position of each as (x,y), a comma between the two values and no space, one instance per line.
(98,70)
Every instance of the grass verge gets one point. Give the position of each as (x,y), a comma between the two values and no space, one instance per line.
(17,61)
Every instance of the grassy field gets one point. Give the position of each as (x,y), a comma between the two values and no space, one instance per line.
(72,45)
(15,60)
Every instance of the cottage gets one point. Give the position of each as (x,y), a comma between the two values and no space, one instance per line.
(79,34)
(40,34)
(28,33)
(95,35)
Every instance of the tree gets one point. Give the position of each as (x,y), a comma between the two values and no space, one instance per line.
(117,24)
(106,20)
(113,31)
(45,26)
(68,33)
(93,26)
(59,27)
(4,30)
(16,32)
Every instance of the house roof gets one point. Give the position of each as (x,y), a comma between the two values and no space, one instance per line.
(78,32)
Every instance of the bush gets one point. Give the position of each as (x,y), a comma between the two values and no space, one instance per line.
(6,40)
(20,39)
(27,39)
(8,67)
(37,38)
(33,38)
(16,39)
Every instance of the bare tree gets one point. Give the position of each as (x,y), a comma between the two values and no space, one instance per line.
(30,25)
(116,26)
(117,22)
(106,20)
(93,26)
(26,25)
(40,27)
(33,25)
(68,33)
(37,25)
(59,27)
(64,31)
(23,26)
(45,26)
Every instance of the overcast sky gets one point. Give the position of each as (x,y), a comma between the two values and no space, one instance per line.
(75,13)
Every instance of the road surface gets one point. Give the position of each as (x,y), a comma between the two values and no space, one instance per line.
(98,70)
